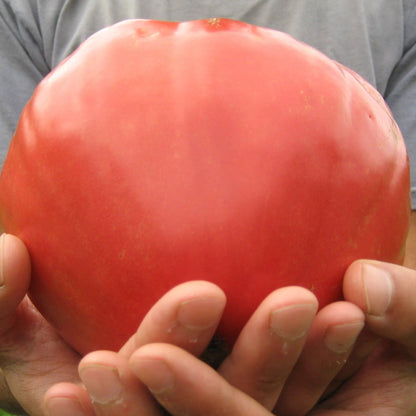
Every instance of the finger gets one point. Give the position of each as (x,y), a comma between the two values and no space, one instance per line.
(386,293)
(365,345)
(66,399)
(187,316)
(329,344)
(270,344)
(184,385)
(33,358)
(113,388)
(14,278)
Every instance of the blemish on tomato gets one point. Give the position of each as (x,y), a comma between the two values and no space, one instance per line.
(214,21)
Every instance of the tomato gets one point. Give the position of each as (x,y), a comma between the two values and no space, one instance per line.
(165,152)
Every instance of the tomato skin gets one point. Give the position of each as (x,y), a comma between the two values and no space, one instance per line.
(163,152)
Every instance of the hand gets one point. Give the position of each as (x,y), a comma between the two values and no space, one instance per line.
(285,351)
(32,356)
(379,378)
(252,377)
(386,383)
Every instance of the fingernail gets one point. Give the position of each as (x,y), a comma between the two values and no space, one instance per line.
(154,373)
(378,286)
(340,338)
(292,322)
(3,239)
(64,406)
(201,313)
(102,382)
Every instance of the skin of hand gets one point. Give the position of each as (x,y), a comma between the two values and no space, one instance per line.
(286,350)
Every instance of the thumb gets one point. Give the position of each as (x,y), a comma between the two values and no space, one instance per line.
(14,278)
(386,293)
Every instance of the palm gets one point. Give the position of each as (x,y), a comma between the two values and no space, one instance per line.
(48,359)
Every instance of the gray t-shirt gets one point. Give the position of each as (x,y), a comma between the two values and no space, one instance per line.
(376,38)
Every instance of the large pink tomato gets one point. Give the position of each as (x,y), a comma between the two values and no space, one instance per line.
(165,152)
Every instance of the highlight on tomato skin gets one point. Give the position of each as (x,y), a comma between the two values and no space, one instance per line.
(162,152)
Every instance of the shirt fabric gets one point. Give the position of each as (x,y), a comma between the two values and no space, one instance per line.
(376,38)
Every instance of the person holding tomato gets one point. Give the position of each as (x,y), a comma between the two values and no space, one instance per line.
(353,357)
